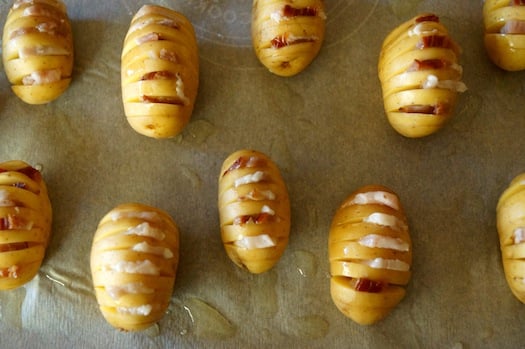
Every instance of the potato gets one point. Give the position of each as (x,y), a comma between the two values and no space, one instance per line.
(254,210)
(134,259)
(420,76)
(25,223)
(505,33)
(287,35)
(510,217)
(159,72)
(370,254)
(38,50)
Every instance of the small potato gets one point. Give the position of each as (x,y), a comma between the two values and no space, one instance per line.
(370,254)
(134,260)
(25,223)
(510,213)
(420,76)
(159,72)
(38,50)
(286,34)
(254,210)
(505,33)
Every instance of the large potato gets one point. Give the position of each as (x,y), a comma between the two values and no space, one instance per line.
(370,254)
(254,210)
(159,72)
(25,223)
(134,259)
(38,50)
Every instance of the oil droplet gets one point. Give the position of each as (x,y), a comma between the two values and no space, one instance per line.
(264,294)
(10,307)
(307,327)
(403,8)
(305,262)
(208,323)
(199,131)
(192,176)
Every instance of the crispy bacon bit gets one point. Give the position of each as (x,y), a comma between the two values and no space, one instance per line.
(283,40)
(513,26)
(158,75)
(289,11)
(433,41)
(29,171)
(243,161)
(15,246)
(439,109)
(14,222)
(11,272)
(161,99)
(427,18)
(517,2)
(260,218)
(427,64)
(367,285)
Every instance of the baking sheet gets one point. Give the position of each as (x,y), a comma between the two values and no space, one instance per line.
(327,131)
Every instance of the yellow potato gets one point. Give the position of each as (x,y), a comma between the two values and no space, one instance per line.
(159,72)
(38,50)
(287,35)
(370,254)
(420,76)
(505,33)
(134,259)
(254,210)
(25,223)
(510,217)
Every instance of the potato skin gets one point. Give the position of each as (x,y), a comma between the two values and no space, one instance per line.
(25,223)
(420,76)
(286,34)
(370,254)
(505,48)
(38,50)
(134,259)
(254,210)
(510,218)
(159,72)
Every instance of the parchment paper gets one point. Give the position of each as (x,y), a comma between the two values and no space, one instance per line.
(327,131)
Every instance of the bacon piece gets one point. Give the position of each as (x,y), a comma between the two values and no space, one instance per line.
(367,285)
(284,40)
(15,246)
(14,222)
(243,161)
(427,64)
(158,75)
(42,77)
(11,272)
(513,26)
(260,218)
(427,18)
(433,41)
(517,2)
(163,99)
(289,11)
(439,109)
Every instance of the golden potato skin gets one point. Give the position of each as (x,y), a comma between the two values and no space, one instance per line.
(370,254)
(38,50)
(510,214)
(25,223)
(504,37)
(159,72)
(420,76)
(287,34)
(134,259)
(254,210)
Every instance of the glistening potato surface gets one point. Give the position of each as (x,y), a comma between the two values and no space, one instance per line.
(134,259)
(370,254)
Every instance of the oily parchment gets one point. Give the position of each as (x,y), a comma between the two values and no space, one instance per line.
(327,131)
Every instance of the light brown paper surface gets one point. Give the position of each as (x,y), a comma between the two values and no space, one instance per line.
(327,131)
